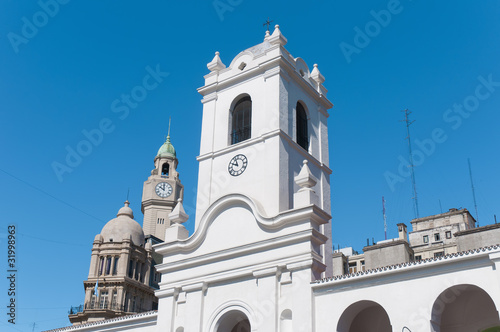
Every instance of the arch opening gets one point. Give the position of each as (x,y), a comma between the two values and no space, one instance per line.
(286,321)
(301,126)
(364,316)
(233,321)
(165,169)
(463,308)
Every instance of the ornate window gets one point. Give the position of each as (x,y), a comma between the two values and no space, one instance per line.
(302,134)
(103,304)
(137,268)
(130,268)
(114,304)
(108,264)
(241,122)
(115,267)
(101,265)
(134,298)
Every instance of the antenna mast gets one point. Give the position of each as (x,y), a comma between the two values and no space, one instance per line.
(385,218)
(412,166)
(473,191)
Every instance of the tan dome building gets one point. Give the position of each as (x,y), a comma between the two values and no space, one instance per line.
(123,227)
(120,267)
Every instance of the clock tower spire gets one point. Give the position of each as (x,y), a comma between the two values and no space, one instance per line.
(161,191)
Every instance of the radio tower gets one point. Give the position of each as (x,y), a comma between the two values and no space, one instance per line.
(385,218)
(412,170)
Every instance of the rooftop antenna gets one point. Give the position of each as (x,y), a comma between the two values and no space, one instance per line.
(495,218)
(412,166)
(473,191)
(440,207)
(385,218)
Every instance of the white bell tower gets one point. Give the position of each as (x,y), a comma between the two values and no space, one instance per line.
(262,231)
(263,115)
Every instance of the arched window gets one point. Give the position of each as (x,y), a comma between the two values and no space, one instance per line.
(286,321)
(241,123)
(165,169)
(302,135)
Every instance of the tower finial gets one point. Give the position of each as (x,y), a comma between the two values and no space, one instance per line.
(268,23)
(169,122)
(128,192)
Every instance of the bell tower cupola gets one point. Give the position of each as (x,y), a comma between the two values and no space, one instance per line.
(263,115)
(161,191)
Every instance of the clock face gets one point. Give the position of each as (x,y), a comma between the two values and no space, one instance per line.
(237,165)
(163,189)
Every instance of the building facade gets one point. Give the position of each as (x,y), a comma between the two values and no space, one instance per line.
(119,276)
(432,237)
(264,179)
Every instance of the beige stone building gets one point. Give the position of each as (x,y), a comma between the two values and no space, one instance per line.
(119,276)
(122,276)
(432,237)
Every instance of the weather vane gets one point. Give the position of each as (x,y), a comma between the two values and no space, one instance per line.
(268,23)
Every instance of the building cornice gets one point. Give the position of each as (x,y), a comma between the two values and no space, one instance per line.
(255,140)
(386,271)
(441,215)
(477,229)
(264,70)
(115,324)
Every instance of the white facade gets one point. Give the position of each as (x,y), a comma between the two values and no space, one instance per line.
(263,236)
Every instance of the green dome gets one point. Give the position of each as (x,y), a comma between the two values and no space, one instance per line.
(167,149)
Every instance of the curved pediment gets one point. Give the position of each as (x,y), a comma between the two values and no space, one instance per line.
(234,220)
(302,68)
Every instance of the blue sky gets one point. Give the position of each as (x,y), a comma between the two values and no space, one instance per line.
(66,76)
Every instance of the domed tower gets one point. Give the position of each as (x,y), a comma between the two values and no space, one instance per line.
(119,275)
(161,192)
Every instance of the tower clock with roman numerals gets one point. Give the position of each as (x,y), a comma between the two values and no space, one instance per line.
(161,192)
(237,165)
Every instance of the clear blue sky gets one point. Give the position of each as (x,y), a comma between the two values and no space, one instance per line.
(67,75)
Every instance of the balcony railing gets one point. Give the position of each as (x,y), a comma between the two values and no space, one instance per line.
(75,310)
(240,135)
